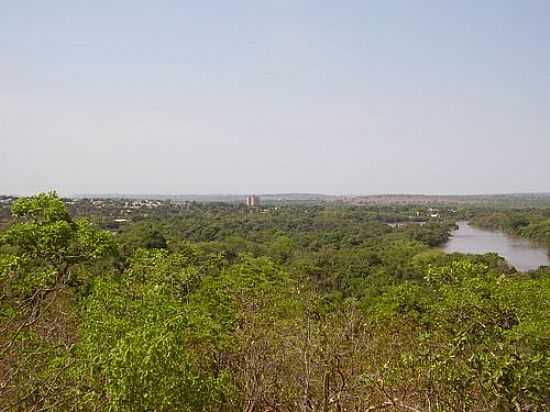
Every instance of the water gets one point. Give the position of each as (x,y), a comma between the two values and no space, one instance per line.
(520,253)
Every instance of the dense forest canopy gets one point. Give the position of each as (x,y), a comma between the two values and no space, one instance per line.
(130,305)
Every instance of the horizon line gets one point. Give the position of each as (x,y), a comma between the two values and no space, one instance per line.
(239,194)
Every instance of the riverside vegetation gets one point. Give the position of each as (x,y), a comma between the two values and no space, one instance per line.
(533,224)
(213,307)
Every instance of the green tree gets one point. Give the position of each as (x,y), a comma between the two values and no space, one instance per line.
(41,255)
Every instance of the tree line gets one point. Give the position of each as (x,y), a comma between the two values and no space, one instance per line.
(304,308)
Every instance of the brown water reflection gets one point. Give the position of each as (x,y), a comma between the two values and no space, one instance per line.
(520,253)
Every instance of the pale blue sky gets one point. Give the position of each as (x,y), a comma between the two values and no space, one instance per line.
(275,96)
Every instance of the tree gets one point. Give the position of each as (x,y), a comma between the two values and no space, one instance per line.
(40,255)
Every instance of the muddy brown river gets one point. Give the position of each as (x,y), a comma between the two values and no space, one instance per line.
(520,253)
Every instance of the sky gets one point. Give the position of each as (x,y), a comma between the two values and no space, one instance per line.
(347,97)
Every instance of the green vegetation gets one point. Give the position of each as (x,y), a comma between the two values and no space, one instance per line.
(214,307)
(532,224)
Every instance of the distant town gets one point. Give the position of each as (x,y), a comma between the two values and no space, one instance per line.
(133,201)
(153,200)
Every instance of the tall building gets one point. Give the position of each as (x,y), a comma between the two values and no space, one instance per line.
(252,201)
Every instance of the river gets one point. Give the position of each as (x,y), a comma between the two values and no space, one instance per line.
(520,253)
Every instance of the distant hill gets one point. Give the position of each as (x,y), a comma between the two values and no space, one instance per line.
(519,200)
(510,199)
(228,198)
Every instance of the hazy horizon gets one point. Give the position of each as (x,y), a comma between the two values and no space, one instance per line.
(244,194)
(314,193)
(366,97)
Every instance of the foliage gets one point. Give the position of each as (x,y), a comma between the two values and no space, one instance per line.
(40,259)
(531,224)
(210,307)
